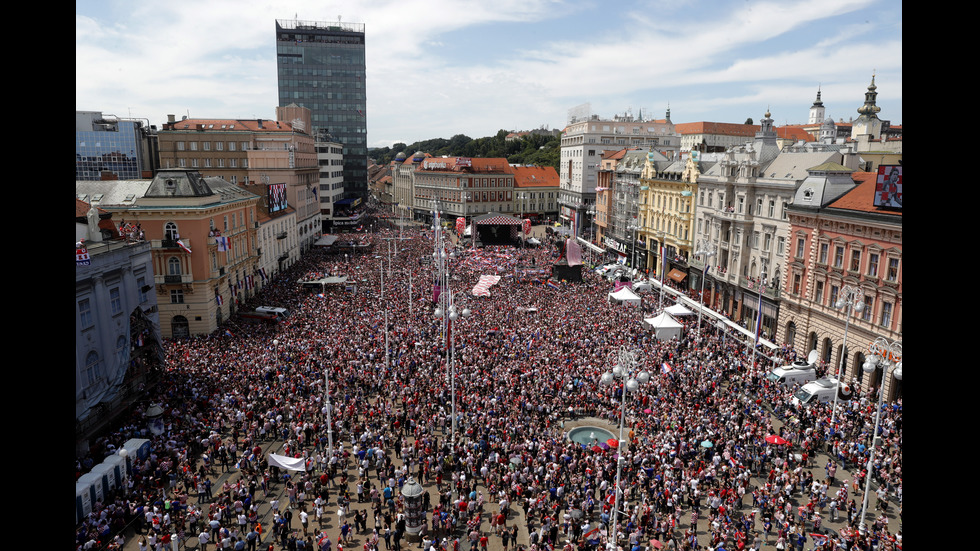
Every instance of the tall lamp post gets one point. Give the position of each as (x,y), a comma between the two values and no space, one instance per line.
(888,355)
(661,258)
(592,233)
(447,313)
(763,283)
(849,301)
(633,226)
(706,253)
(625,369)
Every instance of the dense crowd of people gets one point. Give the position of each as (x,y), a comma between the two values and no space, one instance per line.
(697,470)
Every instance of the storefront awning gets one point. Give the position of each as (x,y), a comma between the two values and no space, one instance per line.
(676,275)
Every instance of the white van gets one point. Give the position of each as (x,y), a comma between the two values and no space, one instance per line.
(822,391)
(799,372)
(280,313)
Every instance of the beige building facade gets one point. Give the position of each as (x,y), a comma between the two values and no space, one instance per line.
(203,243)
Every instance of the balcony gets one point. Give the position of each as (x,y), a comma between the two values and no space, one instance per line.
(772,291)
(168,279)
(281,235)
(170,243)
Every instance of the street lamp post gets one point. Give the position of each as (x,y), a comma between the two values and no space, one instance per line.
(634,226)
(763,282)
(887,354)
(447,313)
(850,302)
(706,254)
(592,238)
(663,265)
(626,364)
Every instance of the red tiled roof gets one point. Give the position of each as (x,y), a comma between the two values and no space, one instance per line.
(723,128)
(861,198)
(535,176)
(477,165)
(232,125)
(795,133)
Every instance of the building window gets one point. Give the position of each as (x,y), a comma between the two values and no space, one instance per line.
(140,284)
(115,301)
(182,163)
(838,257)
(797,280)
(207,163)
(772,208)
(824,249)
(834,291)
(170,231)
(173,266)
(85,313)
(780,246)
(206,145)
(886,314)
(92,371)
(176,296)
(893,269)
(193,146)
(855,261)
(180,146)
(872,264)
(231,146)
(220,146)
(818,293)
(193,163)
(868,306)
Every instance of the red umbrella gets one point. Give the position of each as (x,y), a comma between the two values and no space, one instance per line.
(596,449)
(776,439)
(613,443)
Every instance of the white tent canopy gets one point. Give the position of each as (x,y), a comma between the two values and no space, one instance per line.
(625,295)
(678,310)
(664,326)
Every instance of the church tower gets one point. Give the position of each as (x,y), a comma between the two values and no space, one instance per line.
(868,124)
(817,111)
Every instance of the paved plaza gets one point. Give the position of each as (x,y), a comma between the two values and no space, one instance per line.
(696,469)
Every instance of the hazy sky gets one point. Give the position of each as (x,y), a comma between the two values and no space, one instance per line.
(443,67)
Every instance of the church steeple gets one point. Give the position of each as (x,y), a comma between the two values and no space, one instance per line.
(817,111)
(868,124)
(869,109)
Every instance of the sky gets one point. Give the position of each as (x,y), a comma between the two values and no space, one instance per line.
(437,68)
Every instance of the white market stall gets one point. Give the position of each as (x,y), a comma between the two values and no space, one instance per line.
(664,326)
(678,310)
(624,296)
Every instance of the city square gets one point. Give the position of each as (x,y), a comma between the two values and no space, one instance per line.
(527,365)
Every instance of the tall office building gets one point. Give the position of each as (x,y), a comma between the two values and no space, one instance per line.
(321,67)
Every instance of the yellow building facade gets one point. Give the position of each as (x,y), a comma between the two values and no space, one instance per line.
(667,218)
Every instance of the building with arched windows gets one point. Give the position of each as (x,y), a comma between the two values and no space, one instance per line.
(204,243)
(117,330)
(843,246)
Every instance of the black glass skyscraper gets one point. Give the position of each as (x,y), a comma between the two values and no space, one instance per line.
(321,67)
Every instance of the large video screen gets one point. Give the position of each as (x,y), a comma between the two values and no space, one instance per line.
(888,187)
(277,197)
